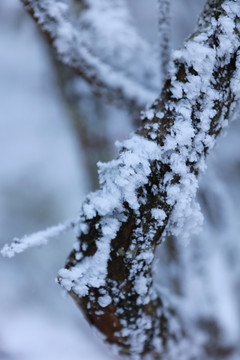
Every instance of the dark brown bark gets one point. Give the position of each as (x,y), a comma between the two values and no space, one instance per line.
(200,93)
(127,307)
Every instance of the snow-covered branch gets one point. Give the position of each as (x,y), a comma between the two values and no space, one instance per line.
(102,45)
(36,239)
(164,33)
(149,192)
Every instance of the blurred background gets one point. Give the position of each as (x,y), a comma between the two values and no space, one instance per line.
(46,168)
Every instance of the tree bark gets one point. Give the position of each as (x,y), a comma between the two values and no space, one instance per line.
(149,192)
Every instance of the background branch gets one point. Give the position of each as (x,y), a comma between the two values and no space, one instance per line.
(117,69)
(164,34)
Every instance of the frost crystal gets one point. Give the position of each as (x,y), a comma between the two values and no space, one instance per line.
(35,239)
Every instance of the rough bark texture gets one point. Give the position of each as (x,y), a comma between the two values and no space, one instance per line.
(209,100)
(148,193)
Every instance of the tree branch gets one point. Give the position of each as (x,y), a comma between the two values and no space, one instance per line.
(149,191)
(164,30)
(36,239)
(117,69)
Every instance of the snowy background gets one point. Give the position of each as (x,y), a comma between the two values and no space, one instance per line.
(43,181)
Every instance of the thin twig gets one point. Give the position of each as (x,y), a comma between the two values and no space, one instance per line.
(164,22)
(37,238)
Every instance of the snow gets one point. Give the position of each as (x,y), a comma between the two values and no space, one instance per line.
(91,271)
(158,214)
(141,286)
(104,300)
(135,157)
(164,34)
(184,143)
(35,239)
(79,43)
